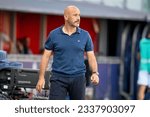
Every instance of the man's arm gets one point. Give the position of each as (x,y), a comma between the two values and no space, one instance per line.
(93,65)
(43,65)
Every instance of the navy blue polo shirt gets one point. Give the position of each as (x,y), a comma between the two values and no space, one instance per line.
(69,51)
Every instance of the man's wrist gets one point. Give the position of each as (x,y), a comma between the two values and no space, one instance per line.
(95,72)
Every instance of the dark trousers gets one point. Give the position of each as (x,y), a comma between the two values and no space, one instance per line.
(60,87)
(147,94)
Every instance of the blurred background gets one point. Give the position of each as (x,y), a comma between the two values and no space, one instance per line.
(116,27)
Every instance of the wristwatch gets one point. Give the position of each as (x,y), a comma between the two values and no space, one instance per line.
(95,73)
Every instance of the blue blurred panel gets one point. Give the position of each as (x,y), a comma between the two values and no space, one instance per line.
(109,82)
(27,64)
(101,89)
(31,65)
(115,81)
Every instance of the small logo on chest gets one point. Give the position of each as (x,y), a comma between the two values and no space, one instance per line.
(78,41)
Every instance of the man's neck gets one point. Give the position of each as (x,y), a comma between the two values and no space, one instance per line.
(69,30)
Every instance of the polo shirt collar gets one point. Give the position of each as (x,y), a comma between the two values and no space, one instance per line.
(77,31)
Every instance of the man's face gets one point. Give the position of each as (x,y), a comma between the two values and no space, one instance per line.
(73,17)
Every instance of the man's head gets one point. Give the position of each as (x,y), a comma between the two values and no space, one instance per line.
(72,16)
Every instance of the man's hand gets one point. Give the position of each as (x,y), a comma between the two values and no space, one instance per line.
(40,84)
(95,79)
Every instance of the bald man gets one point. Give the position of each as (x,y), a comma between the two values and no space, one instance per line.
(68,43)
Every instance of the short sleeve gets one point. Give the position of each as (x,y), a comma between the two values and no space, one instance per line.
(49,43)
(89,44)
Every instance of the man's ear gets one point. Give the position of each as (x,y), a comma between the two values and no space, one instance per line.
(65,17)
